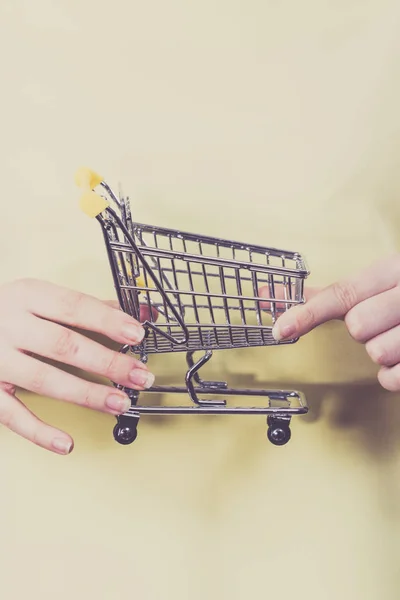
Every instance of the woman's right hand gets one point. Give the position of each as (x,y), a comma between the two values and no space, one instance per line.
(369,304)
(35,321)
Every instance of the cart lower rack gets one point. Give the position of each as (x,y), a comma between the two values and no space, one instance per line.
(202,294)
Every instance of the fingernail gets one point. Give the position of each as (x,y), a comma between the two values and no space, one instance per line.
(142,378)
(119,404)
(283,333)
(62,446)
(134,333)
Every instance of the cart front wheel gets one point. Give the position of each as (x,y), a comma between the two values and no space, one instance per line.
(124,434)
(279,435)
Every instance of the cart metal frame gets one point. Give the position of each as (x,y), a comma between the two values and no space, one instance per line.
(204,294)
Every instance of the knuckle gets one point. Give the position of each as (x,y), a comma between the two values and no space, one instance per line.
(64,344)
(90,396)
(71,302)
(345,295)
(6,416)
(37,381)
(37,438)
(305,317)
(111,364)
(9,388)
(87,397)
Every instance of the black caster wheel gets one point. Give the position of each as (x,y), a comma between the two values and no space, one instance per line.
(279,435)
(124,434)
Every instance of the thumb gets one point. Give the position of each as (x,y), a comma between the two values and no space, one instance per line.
(301,319)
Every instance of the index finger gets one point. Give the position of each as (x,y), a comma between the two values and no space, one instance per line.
(335,301)
(69,307)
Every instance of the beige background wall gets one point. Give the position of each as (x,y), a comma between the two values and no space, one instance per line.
(276,122)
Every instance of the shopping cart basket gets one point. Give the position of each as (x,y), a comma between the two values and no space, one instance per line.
(203,295)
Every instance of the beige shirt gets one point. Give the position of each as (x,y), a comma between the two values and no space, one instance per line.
(268,122)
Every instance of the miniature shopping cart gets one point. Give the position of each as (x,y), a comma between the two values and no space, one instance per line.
(203,295)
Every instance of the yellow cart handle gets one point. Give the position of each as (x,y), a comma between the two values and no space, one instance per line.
(91,204)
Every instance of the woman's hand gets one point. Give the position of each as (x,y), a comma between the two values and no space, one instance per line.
(369,303)
(35,319)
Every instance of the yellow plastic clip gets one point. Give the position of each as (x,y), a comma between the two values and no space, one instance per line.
(92,204)
(85,178)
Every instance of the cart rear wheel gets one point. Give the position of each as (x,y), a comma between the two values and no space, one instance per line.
(124,434)
(279,435)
